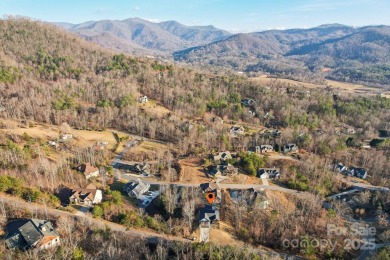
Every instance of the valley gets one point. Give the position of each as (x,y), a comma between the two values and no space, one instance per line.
(121,153)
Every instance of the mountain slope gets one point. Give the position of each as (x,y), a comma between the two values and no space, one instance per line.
(132,34)
(352,54)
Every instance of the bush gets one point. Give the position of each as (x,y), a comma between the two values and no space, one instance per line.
(97,211)
(250,162)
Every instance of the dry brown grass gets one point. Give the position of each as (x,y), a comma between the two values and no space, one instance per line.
(154,108)
(192,171)
(82,138)
(342,87)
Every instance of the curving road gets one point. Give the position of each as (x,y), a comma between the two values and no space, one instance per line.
(33,207)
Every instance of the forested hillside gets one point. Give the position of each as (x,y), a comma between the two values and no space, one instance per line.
(337,52)
(55,79)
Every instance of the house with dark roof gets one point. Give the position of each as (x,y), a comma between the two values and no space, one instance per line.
(209,216)
(223,156)
(212,187)
(142,168)
(28,234)
(268,173)
(289,148)
(88,196)
(359,172)
(237,130)
(88,170)
(247,102)
(136,188)
(352,171)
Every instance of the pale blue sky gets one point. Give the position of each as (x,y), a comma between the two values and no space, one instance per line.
(232,15)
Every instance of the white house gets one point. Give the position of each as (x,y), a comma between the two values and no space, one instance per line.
(143,99)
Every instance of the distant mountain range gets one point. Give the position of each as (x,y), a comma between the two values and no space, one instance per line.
(333,51)
(135,35)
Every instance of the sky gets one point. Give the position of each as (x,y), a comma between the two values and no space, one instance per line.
(232,15)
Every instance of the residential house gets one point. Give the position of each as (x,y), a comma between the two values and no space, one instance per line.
(273,133)
(268,173)
(223,156)
(143,99)
(136,188)
(349,130)
(237,130)
(142,168)
(247,102)
(100,145)
(28,234)
(352,172)
(53,144)
(223,170)
(66,136)
(216,120)
(88,196)
(210,214)
(88,170)
(250,197)
(212,187)
(359,172)
(264,148)
(289,148)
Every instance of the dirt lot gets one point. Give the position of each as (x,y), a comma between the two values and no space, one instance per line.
(146,151)
(221,236)
(193,171)
(152,107)
(83,138)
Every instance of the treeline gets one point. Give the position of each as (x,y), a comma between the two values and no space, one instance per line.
(81,240)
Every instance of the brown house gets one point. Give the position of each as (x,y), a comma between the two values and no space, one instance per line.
(88,196)
(88,170)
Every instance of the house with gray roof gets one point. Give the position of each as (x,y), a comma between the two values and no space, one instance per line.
(352,171)
(264,148)
(136,188)
(28,234)
(247,102)
(289,148)
(142,168)
(268,173)
(225,169)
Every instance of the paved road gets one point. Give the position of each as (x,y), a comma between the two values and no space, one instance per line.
(33,207)
(222,185)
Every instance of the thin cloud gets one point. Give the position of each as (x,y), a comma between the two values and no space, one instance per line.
(153,20)
(137,8)
(329,5)
(102,11)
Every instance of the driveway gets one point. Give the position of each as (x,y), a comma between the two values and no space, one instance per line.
(83,210)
